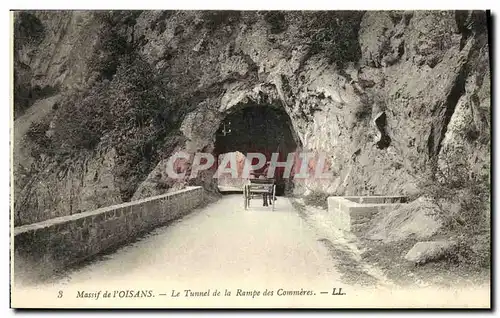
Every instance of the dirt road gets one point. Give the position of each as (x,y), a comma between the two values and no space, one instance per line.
(222,242)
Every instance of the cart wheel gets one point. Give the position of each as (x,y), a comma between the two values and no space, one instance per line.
(248,197)
(245,196)
(274,195)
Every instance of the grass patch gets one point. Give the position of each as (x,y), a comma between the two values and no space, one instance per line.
(350,270)
(463,202)
(448,273)
(318,199)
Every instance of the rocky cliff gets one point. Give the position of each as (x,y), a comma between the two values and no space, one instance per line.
(102,99)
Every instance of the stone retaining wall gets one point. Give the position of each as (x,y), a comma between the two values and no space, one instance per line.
(353,213)
(40,248)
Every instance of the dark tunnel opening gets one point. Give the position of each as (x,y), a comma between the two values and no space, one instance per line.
(257,128)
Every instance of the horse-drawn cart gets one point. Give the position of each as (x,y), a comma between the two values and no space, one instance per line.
(256,187)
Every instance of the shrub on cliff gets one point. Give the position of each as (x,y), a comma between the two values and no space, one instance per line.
(463,201)
(318,199)
(37,135)
(140,123)
(127,113)
(82,120)
(122,107)
(28,33)
(333,34)
(112,43)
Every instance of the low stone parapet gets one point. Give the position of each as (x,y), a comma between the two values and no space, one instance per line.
(353,213)
(43,247)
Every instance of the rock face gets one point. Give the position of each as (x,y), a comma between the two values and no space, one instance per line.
(424,252)
(383,94)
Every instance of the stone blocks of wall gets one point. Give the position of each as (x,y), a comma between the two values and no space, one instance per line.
(353,213)
(56,243)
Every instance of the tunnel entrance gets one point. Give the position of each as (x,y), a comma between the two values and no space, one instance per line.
(258,128)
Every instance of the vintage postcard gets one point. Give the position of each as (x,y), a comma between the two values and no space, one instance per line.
(251,159)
